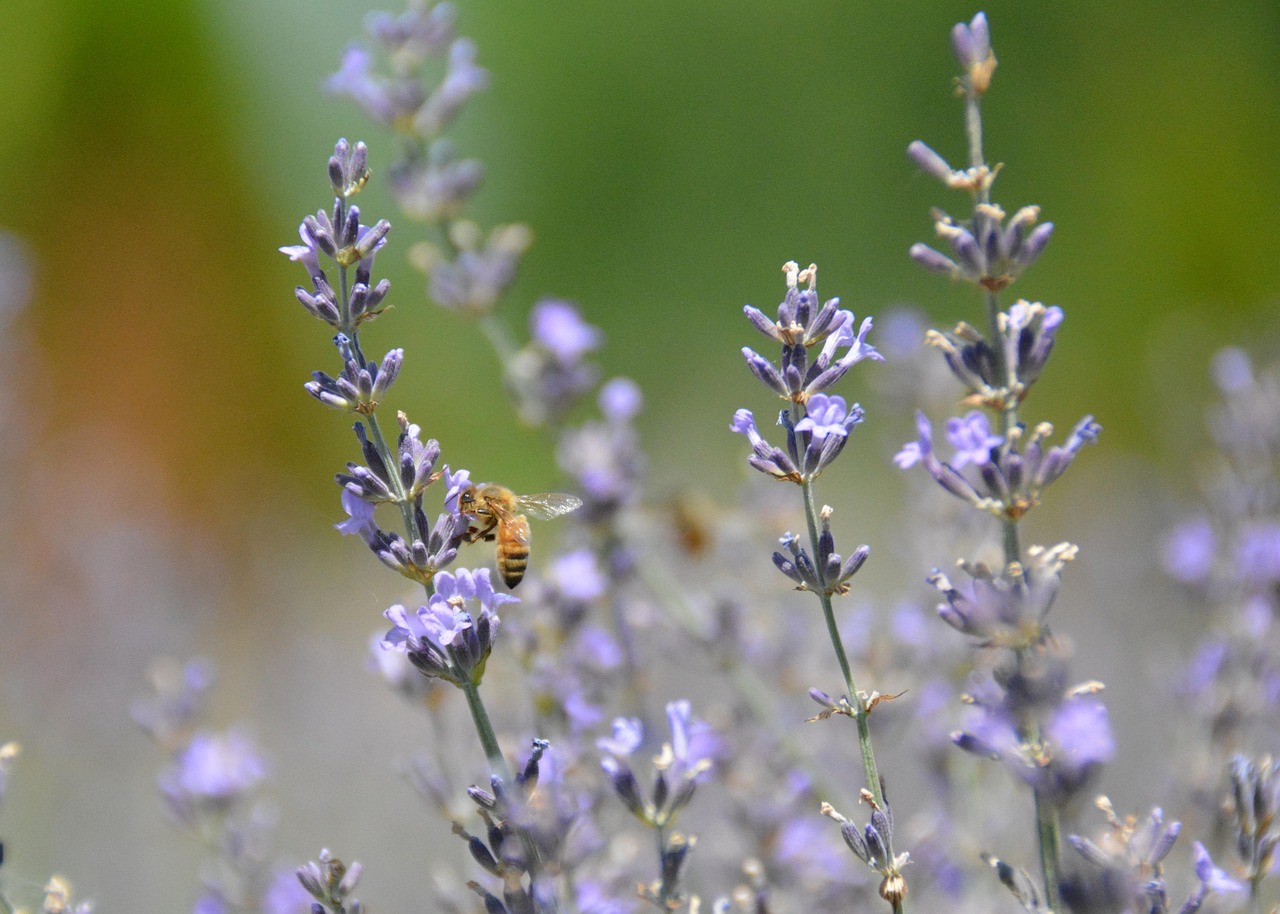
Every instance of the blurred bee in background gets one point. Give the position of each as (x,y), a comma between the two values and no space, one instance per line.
(501,515)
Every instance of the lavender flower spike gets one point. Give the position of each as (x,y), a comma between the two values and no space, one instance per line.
(443,639)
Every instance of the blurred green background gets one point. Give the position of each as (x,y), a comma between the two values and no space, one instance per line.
(175,495)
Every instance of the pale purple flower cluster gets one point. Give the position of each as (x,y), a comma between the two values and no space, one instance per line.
(987,251)
(873,845)
(817,424)
(470,271)
(536,830)
(1128,872)
(449,638)
(211,788)
(214,771)
(330,883)
(1011,471)
(830,574)
(603,456)
(686,760)
(433,547)
(1228,557)
(549,376)
(1255,801)
(358,388)
(801,324)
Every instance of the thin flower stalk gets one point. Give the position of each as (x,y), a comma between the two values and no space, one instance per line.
(419,77)
(1010,469)
(398,474)
(819,344)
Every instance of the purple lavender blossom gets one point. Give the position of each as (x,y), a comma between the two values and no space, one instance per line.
(1081,736)
(483,270)
(620,399)
(455,483)
(686,761)
(550,376)
(330,882)
(533,826)
(355,79)
(1257,554)
(605,458)
(580,712)
(801,325)
(695,746)
(824,416)
(345,242)
(215,770)
(990,253)
(972,438)
(443,639)
(176,705)
(359,515)
(285,895)
(627,736)
(1011,481)
(1189,551)
(595,648)
(577,576)
(1255,798)
(463,78)
(559,327)
(1213,879)
(972,42)
(766,458)
(1008,608)
(359,387)
(463,585)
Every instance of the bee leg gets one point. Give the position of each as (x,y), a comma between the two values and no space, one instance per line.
(474,534)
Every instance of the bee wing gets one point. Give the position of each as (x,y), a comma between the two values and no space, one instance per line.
(516,530)
(547,505)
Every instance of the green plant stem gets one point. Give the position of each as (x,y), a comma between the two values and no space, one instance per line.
(499,337)
(833,632)
(664,892)
(1047,826)
(484,729)
(397,487)
(1047,832)
(973,128)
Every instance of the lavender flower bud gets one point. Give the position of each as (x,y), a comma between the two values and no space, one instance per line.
(933,261)
(799,567)
(348,168)
(763,369)
(766,458)
(462,80)
(972,46)
(624,785)
(929,161)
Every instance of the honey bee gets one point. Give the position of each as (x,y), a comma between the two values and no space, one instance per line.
(500,514)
